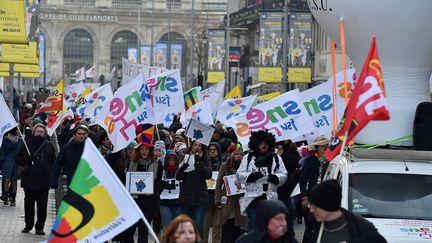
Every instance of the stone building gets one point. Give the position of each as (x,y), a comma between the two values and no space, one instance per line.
(98,32)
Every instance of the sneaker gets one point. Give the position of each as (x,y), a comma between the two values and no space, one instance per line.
(25,230)
(40,232)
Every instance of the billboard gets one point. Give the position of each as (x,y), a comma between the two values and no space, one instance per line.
(145,54)
(216,55)
(16,53)
(176,56)
(41,52)
(270,47)
(133,55)
(13,22)
(160,55)
(300,46)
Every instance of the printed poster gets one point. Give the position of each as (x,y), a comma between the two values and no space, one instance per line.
(140,182)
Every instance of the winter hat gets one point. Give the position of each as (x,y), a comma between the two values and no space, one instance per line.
(267,209)
(181,131)
(178,146)
(327,195)
(159,145)
(132,145)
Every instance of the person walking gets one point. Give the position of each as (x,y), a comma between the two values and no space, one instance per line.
(333,223)
(35,177)
(262,171)
(9,149)
(193,171)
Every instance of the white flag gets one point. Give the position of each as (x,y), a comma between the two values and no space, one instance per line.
(124,112)
(234,107)
(131,70)
(91,72)
(97,206)
(201,112)
(7,121)
(283,116)
(214,93)
(73,91)
(80,74)
(200,132)
(165,95)
(96,100)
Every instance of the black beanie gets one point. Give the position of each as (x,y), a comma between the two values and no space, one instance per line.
(327,195)
(267,209)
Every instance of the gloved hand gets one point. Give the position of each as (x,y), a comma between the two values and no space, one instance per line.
(254,176)
(184,166)
(170,185)
(273,179)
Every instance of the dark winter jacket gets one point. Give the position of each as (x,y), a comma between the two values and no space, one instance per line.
(266,210)
(36,176)
(291,162)
(150,201)
(193,189)
(215,164)
(361,230)
(309,174)
(67,162)
(168,183)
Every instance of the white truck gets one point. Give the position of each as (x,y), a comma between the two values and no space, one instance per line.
(391,188)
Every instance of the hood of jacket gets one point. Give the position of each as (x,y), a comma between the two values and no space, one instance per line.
(266,210)
(218,147)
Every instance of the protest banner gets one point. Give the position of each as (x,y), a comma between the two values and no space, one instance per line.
(7,122)
(283,116)
(131,70)
(140,182)
(263,98)
(234,93)
(97,206)
(199,131)
(214,93)
(234,107)
(124,112)
(201,112)
(97,99)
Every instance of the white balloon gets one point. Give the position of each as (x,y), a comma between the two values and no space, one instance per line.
(404,44)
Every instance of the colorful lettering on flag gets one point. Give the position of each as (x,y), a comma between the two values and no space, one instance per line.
(97,206)
(234,107)
(368,102)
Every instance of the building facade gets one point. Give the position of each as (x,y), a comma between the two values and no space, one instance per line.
(245,14)
(98,32)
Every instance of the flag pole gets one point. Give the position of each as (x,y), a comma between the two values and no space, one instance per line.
(342,37)
(344,142)
(25,144)
(335,125)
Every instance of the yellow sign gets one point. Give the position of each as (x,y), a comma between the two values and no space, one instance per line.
(12,22)
(266,97)
(23,75)
(20,68)
(299,75)
(269,75)
(15,53)
(215,77)
(234,93)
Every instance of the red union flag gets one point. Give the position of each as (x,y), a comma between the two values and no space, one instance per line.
(368,102)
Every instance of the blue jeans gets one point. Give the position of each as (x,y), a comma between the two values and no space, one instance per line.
(291,204)
(251,213)
(197,214)
(168,213)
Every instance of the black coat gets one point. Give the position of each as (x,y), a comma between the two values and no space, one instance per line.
(36,176)
(256,237)
(361,230)
(291,162)
(67,162)
(309,174)
(193,188)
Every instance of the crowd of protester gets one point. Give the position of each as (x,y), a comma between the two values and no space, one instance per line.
(182,207)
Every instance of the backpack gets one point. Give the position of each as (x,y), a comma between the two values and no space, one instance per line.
(276,158)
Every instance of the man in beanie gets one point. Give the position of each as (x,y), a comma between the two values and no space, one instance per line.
(272,224)
(335,224)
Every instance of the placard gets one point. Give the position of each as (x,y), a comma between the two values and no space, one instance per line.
(140,182)
(173,193)
(211,183)
(233,185)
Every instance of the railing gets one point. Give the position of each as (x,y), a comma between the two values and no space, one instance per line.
(127,3)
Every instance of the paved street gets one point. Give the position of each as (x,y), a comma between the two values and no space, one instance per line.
(12,221)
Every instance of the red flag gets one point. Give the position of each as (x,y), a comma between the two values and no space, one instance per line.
(368,102)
